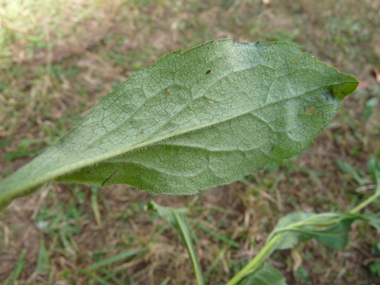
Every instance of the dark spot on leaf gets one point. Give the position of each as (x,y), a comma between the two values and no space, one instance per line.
(208,71)
(237,87)
(142,131)
(88,171)
(167,90)
(328,94)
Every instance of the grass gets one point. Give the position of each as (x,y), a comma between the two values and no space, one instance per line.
(59,58)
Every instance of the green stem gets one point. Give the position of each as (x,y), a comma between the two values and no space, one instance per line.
(254,263)
(367,201)
(274,236)
(310,222)
(189,246)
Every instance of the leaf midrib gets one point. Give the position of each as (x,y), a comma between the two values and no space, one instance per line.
(190,88)
(156,141)
(69,168)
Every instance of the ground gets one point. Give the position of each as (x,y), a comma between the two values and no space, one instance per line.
(59,58)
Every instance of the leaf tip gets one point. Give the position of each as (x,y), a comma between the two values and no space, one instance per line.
(341,90)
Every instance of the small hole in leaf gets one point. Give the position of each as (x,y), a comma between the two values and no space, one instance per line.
(310,110)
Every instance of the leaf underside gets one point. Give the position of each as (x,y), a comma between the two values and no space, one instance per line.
(194,120)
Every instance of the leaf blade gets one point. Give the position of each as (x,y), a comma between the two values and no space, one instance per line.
(218,88)
(117,257)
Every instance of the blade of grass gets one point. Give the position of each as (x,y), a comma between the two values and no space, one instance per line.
(190,247)
(177,218)
(345,167)
(214,263)
(116,257)
(97,278)
(95,209)
(110,275)
(43,258)
(66,243)
(17,270)
(159,232)
(216,235)
(166,281)
(194,237)
(95,205)
(105,250)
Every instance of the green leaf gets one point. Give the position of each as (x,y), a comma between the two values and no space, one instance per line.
(177,218)
(290,238)
(194,120)
(302,274)
(168,214)
(375,268)
(265,275)
(374,220)
(335,236)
